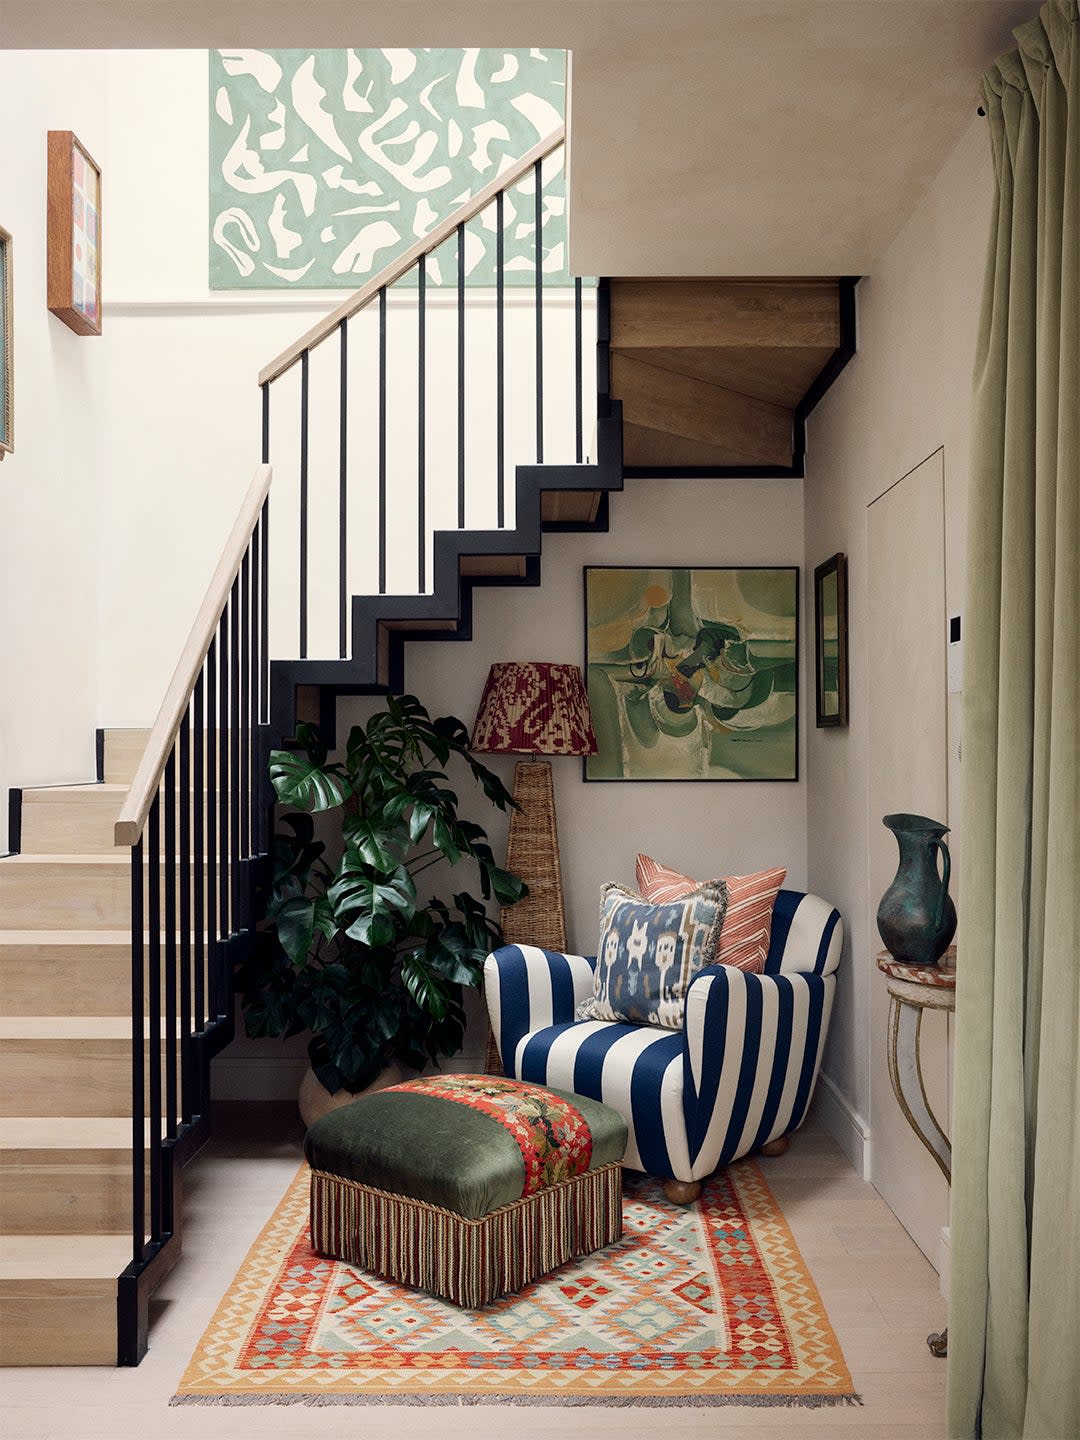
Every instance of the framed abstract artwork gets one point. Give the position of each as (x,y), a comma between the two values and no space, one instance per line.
(693,672)
(830,642)
(7,344)
(74,234)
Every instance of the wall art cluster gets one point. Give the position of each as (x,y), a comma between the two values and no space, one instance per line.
(325,164)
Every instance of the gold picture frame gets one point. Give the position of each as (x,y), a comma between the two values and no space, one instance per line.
(74,234)
(7,346)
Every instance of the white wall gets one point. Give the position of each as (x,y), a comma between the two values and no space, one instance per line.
(50,488)
(905,394)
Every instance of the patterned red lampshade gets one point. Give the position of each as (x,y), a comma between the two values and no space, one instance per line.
(534,707)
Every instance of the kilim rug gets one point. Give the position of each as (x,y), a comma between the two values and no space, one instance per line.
(707,1305)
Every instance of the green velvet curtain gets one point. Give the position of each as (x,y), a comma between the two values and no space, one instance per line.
(1014,1320)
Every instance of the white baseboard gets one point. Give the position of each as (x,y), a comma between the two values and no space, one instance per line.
(844,1123)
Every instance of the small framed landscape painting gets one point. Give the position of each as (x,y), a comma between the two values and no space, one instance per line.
(7,342)
(74,234)
(693,672)
(830,642)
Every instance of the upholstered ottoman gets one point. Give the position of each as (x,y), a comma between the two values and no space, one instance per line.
(467,1186)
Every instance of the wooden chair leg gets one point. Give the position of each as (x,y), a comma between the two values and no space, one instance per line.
(682,1192)
(776,1147)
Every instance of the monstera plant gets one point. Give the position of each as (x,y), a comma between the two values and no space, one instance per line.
(350,950)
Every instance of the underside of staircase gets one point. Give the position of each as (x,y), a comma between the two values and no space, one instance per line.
(717,375)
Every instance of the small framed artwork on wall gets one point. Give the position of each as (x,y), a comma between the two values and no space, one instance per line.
(74,234)
(693,672)
(7,348)
(830,642)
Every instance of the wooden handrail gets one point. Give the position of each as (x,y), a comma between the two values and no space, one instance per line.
(132,818)
(404,262)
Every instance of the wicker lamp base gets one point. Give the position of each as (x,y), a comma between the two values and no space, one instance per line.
(532,851)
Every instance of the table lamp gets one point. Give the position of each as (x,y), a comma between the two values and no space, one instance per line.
(534,707)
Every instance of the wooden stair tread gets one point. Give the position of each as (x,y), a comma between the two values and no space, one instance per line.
(64,1132)
(92,938)
(70,1027)
(29,1259)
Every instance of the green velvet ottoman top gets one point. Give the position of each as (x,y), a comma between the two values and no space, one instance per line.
(469,1143)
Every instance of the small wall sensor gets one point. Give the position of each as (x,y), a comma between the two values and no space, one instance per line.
(955,663)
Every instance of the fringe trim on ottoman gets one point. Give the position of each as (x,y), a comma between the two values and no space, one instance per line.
(469,1262)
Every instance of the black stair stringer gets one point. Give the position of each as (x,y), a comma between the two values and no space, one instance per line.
(381,624)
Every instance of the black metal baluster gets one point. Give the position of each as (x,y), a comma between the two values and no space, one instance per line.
(303,504)
(264,675)
(461,377)
(421,443)
(579,413)
(539,316)
(500,372)
(343,490)
(255,737)
(153,1010)
(212,791)
(138,1057)
(266,423)
(170,977)
(244,846)
(198,856)
(223,780)
(236,915)
(382,441)
(185,915)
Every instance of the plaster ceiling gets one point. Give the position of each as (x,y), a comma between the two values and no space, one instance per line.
(724,137)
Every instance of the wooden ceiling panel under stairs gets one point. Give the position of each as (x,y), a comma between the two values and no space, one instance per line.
(717,376)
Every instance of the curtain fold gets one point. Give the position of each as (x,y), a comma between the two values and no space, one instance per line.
(1014,1323)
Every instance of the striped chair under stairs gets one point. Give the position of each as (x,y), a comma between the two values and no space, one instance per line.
(739,1075)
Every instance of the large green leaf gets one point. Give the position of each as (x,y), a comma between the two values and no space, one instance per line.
(370,906)
(380,844)
(298,782)
(425,986)
(296,927)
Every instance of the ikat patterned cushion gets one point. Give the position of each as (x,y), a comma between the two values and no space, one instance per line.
(648,954)
(744,939)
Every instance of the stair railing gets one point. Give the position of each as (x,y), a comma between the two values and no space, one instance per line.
(195,818)
(327,403)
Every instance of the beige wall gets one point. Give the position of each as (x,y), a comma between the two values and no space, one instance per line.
(906,393)
(50,487)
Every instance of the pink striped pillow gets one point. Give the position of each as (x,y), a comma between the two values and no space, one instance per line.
(744,940)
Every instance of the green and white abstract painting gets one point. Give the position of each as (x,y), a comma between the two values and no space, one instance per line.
(325,164)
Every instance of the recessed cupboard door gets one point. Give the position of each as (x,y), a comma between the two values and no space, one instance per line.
(908,755)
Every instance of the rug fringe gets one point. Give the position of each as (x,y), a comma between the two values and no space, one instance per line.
(672,1402)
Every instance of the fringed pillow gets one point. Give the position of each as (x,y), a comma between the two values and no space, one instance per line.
(747,928)
(648,954)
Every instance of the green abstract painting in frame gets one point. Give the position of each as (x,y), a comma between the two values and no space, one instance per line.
(7,341)
(693,672)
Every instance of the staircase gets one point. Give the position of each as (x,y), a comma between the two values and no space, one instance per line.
(135,896)
(65,1068)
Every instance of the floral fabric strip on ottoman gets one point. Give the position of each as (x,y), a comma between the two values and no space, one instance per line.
(467,1186)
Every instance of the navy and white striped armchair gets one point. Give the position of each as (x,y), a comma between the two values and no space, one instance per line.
(739,1075)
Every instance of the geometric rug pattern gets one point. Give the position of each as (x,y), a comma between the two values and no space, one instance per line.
(704,1305)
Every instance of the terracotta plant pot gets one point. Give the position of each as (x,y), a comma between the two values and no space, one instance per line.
(315,1100)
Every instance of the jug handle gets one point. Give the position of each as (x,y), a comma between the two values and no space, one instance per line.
(946,867)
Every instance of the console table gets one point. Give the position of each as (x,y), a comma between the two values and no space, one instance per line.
(914,989)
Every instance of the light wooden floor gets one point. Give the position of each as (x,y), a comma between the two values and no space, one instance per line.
(880,1293)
